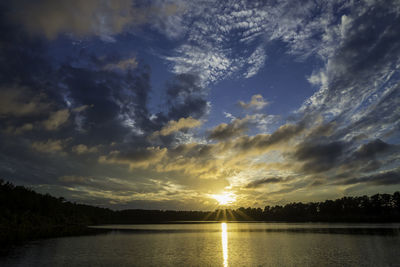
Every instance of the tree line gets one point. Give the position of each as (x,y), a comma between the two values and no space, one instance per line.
(25,214)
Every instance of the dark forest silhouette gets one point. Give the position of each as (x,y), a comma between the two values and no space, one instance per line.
(25,214)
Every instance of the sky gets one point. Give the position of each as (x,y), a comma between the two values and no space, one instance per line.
(173,104)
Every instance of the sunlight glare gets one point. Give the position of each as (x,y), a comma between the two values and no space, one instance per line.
(225,198)
(224,235)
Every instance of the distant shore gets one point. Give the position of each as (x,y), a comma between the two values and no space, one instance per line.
(27,215)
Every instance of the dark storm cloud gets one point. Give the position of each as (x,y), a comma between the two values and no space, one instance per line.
(370,157)
(53,109)
(385,178)
(83,18)
(319,157)
(137,155)
(225,131)
(262,142)
(346,162)
(372,149)
(117,102)
(261,182)
(286,132)
(322,131)
(186,97)
(26,82)
(239,126)
(21,102)
(360,95)
(99,107)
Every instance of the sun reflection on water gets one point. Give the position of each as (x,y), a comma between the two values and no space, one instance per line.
(224,236)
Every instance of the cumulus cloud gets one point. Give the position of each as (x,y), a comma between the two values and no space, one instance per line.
(175,126)
(225,131)
(19,129)
(239,126)
(20,101)
(81,108)
(49,146)
(83,149)
(257,102)
(319,157)
(56,119)
(139,158)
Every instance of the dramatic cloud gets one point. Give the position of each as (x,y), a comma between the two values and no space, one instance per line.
(358,69)
(186,97)
(226,131)
(319,157)
(382,178)
(206,161)
(82,18)
(140,158)
(122,103)
(371,149)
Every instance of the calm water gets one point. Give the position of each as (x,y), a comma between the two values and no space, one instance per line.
(219,244)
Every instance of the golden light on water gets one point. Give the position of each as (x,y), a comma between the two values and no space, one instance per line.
(225,198)
(224,238)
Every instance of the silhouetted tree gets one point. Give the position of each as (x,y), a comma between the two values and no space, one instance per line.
(25,214)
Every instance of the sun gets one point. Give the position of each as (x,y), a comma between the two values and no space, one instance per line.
(225,198)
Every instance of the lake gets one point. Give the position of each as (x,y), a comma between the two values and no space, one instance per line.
(218,244)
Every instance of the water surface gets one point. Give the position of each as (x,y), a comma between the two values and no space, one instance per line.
(219,244)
